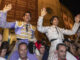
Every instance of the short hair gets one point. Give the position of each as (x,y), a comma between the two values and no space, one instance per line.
(28,12)
(23,43)
(0,33)
(31,47)
(5,45)
(66,40)
(60,44)
(52,18)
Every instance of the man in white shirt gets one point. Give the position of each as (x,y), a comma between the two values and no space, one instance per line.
(56,34)
(22,49)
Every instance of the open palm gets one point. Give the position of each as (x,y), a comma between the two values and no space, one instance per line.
(7,7)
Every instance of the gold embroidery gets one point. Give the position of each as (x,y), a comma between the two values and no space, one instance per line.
(25,34)
(19,23)
(23,37)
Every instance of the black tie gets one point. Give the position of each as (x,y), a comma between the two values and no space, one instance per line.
(26,27)
(57,30)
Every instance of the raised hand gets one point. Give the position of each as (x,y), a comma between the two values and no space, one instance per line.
(7,8)
(43,12)
(77,18)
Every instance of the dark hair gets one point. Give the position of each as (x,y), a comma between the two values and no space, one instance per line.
(52,18)
(31,47)
(23,43)
(66,40)
(0,33)
(5,45)
(43,43)
(27,12)
(60,44)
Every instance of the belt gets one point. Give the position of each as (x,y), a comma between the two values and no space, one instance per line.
(52,40)
(21,39)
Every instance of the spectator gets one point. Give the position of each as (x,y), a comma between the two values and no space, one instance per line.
(11,47)
(73,49)
(61,50)
(43,50)
(33,50)
(67,42)
(4,50)
(22,49)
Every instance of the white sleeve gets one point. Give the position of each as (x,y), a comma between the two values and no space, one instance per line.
(37,52)
(40,27)
(69,56)
(71,32)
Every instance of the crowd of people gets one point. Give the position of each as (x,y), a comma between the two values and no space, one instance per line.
(27,47)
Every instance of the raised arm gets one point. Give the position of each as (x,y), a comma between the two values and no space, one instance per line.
(3,17)
(74,29)
(40,27)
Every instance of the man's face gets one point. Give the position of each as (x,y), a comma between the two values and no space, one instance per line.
(3,52)
(26,17)
(42,49)
(55,21)
(62,52)
(23,51)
